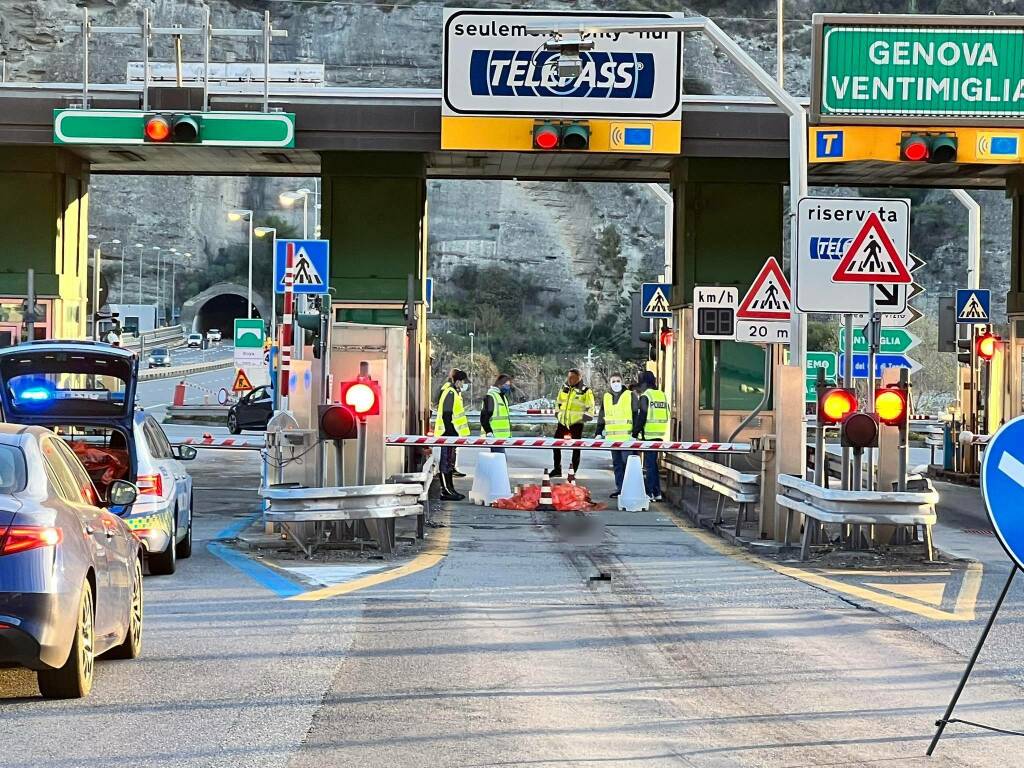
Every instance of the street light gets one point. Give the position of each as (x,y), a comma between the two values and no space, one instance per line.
(141,247)
(263,232)
(288,199)
(174,280)
(238,214)
(471,366)
(96,279)
(157,249)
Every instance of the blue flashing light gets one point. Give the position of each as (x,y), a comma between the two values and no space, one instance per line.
(36,393)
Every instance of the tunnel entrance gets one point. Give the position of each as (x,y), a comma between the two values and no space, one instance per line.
(220,312)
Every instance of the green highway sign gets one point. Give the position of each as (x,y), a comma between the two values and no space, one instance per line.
(212,129)
(248,333)
(893,341)
(810,391)
(826,360)
(908,66)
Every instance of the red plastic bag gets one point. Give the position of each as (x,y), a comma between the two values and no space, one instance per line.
(565,497)
(527,499)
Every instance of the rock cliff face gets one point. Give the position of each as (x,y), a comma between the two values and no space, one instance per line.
(549,226)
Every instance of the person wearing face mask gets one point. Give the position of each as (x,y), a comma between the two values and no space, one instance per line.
(615,422)
(494,416)
(652,423)
(451,422)
(575,408)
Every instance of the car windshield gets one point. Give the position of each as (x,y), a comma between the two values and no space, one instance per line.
(12,469)
(65,383)
(160,352)
(195,336)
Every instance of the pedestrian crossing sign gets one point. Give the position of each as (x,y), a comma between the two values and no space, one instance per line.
(872,258)
(769,297)
(310,264)
(654,300)
(973,306)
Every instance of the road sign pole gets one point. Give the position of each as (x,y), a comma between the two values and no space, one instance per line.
(820,475)
(876,330)
(904,446)
(716,391)
(847,383)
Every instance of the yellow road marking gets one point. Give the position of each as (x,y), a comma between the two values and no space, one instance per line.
(435,551)
(963,610)
(930,593)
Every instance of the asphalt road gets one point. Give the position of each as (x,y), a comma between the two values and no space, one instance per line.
(649,643)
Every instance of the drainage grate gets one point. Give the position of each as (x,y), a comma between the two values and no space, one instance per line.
(602,576)
(978,531)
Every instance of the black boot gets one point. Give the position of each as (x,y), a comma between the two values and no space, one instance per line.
(456,473)
(448,492)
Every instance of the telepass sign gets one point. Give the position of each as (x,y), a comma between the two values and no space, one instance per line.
(965,67)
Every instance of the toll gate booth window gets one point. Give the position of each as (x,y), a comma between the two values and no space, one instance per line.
(742,371)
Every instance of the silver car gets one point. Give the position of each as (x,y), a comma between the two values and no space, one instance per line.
(70,569)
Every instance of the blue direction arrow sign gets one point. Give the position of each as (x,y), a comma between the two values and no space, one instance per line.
(1002,485)
(972,305)
(860,364)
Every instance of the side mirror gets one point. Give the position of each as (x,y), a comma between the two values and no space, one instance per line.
(121,493)
(185,452)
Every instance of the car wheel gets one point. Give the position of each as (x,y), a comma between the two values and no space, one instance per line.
(131,648)
(166,562)
(185,545)
(233,427)
(74,679)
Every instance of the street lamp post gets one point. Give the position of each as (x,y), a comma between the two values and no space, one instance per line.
(155,320)
(97,257)
(237,215)
(174,281)
(288,199)
(142,251)
(263,232)
(472,366)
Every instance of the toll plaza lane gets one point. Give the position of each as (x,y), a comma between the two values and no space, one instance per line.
(644,641)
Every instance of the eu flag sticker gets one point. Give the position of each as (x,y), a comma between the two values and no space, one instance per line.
(829,144)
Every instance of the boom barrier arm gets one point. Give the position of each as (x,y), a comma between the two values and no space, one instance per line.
(664,446)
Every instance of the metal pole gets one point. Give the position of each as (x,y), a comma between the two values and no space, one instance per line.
(207,34)
(248,308)
(820,475)
(874,324)
(266,61)
(120,292)
(96,294)
(142,252)
(361,453)
(973,237)
(857,454)
(779,32)
(174,276)
(85,58)
(847,383)
(716,391)
(305,216)
(145,75)
(904,447)
(941,724)
(30,299)
(669,206)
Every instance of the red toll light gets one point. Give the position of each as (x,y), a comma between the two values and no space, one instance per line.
(985,345)
(338,422)
(891,406)
(834,406)
(157,128)
(546,136)
(362,396)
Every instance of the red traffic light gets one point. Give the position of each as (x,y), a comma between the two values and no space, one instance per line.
(834,405)
(157,128)
(914,148)
(362,396)
(860,430)
(891,406)
(546,136)
(338,422)
(667,334)
(985,345)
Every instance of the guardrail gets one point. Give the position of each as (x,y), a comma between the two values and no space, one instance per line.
(664,446)
(744,488)
(825,505)
(152,337)
(185,370)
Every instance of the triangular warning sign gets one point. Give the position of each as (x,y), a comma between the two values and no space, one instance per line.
(242,383)
(872,258)
(303,271)
(769,297)
(658,303)
(973,310)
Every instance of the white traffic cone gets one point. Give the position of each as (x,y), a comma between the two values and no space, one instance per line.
(634,496)
(571,477)
(546,503)
(490,479)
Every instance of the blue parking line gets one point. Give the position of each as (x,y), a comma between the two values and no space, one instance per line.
(255,570)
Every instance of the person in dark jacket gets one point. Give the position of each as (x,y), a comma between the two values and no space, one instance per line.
(652,423)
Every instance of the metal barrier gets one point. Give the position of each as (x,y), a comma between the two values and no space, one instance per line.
(744,488)
(899,508)
(665,446)
(229,443)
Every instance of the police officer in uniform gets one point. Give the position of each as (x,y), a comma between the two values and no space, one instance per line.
(494,416)
(451,422)
(615,422)
(652,423)
(575,407)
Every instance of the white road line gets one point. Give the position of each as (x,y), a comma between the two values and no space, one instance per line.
(1012,468)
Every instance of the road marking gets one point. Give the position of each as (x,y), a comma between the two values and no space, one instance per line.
(1012,468)
(931,592)
(435,552)
(964,609)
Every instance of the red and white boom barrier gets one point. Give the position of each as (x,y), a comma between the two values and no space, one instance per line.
(550,442)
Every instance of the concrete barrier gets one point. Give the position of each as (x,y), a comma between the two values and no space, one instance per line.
(184,370)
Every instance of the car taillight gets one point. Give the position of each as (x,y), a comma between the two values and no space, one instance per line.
(21,538)
(150,485)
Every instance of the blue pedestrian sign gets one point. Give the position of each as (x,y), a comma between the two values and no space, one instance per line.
(1002,485)
(861,364)
(311,263)
(654,300)
(972,305)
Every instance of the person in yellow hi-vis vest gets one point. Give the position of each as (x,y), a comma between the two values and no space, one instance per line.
(652,423)
(495,420)
(451,422)
(575,407)
(615,422)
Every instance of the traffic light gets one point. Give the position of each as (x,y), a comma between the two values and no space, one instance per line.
(985,345)
(834,405)
(337,422)
(362,395)
(548,135)
(665,338)
(859,430)
(928,147)
(891,405)
(171,129)
(964,353)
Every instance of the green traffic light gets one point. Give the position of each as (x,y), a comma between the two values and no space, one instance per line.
(944,148)
(185,128)
(576,136)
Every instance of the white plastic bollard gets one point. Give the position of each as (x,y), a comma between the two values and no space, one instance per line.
(490,479)
(634,495)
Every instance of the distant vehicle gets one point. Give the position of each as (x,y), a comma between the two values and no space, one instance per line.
(194,340)
(213,334)
(70,569)
(252,411)
(159,358)
(85,392)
